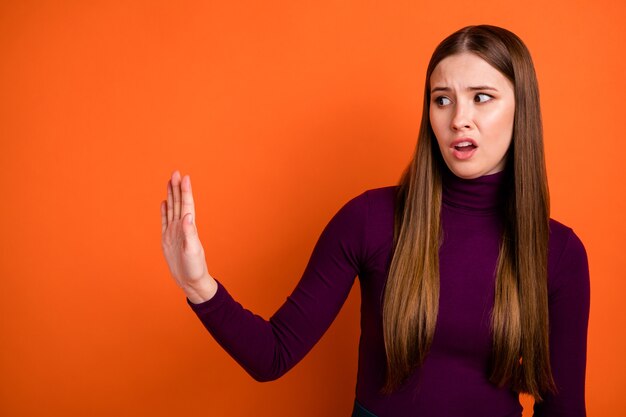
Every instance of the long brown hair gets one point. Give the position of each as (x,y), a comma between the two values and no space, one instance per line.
(519,317)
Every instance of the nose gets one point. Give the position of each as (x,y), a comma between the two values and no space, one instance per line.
(462,117)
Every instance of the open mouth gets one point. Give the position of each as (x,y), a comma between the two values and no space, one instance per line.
(465,146)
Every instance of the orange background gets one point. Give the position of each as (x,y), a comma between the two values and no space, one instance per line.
(281,112)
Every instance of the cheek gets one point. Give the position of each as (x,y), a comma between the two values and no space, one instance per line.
(507,127)
(436,124)
(503,127)
(500,125)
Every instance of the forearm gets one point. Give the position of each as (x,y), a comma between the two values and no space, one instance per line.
(201,291)
(267,349)
(247,337)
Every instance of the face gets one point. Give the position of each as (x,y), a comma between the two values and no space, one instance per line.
(472,107)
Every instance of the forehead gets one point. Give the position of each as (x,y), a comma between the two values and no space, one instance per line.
(467,69)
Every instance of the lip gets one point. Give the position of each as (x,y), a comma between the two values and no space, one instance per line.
(456,142)
(465,155)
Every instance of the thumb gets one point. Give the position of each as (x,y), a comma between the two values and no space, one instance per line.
(189,229)
(192,242)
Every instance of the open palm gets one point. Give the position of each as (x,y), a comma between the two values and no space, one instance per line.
(179,238)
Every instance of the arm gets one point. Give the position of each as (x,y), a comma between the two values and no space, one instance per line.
(268,349)
(569,316)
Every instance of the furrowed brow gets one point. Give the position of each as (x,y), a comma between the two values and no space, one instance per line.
(434,90)
(482,87)
(472,88)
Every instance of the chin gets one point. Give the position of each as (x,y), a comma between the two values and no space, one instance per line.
(465,172)
(469,171)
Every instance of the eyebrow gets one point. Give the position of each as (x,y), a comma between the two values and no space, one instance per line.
(473,88)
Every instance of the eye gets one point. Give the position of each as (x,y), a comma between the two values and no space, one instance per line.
(442,101)
(482,98)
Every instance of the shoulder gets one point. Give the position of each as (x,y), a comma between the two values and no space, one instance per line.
(564,241)
(365,222)
(567,257)
(384,195)
(372,204)
(381,199)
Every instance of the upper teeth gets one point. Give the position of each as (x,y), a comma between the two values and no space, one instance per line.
(466,143)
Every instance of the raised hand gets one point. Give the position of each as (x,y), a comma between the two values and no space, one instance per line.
(180,242)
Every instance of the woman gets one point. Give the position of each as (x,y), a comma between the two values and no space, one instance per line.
(470,292)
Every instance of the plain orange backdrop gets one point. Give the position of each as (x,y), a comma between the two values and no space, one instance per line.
(281,111)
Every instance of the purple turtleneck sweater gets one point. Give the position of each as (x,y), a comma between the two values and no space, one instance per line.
(453,380)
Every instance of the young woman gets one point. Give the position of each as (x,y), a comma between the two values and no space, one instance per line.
(470,293)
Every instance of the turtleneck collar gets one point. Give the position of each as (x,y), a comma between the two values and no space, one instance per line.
(479,195)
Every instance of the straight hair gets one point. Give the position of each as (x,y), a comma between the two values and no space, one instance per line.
(519,319)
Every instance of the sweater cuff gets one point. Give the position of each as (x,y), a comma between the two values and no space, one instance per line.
(214,303)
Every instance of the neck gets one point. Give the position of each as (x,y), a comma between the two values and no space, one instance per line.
(483,194)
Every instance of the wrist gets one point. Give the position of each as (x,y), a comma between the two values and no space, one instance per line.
(201,290)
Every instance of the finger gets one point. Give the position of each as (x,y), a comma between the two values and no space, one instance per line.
(187,197)
(170,202)
(163,216)
(176,189)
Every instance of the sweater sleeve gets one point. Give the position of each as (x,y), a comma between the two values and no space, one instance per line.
(268,349)
(569,316)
